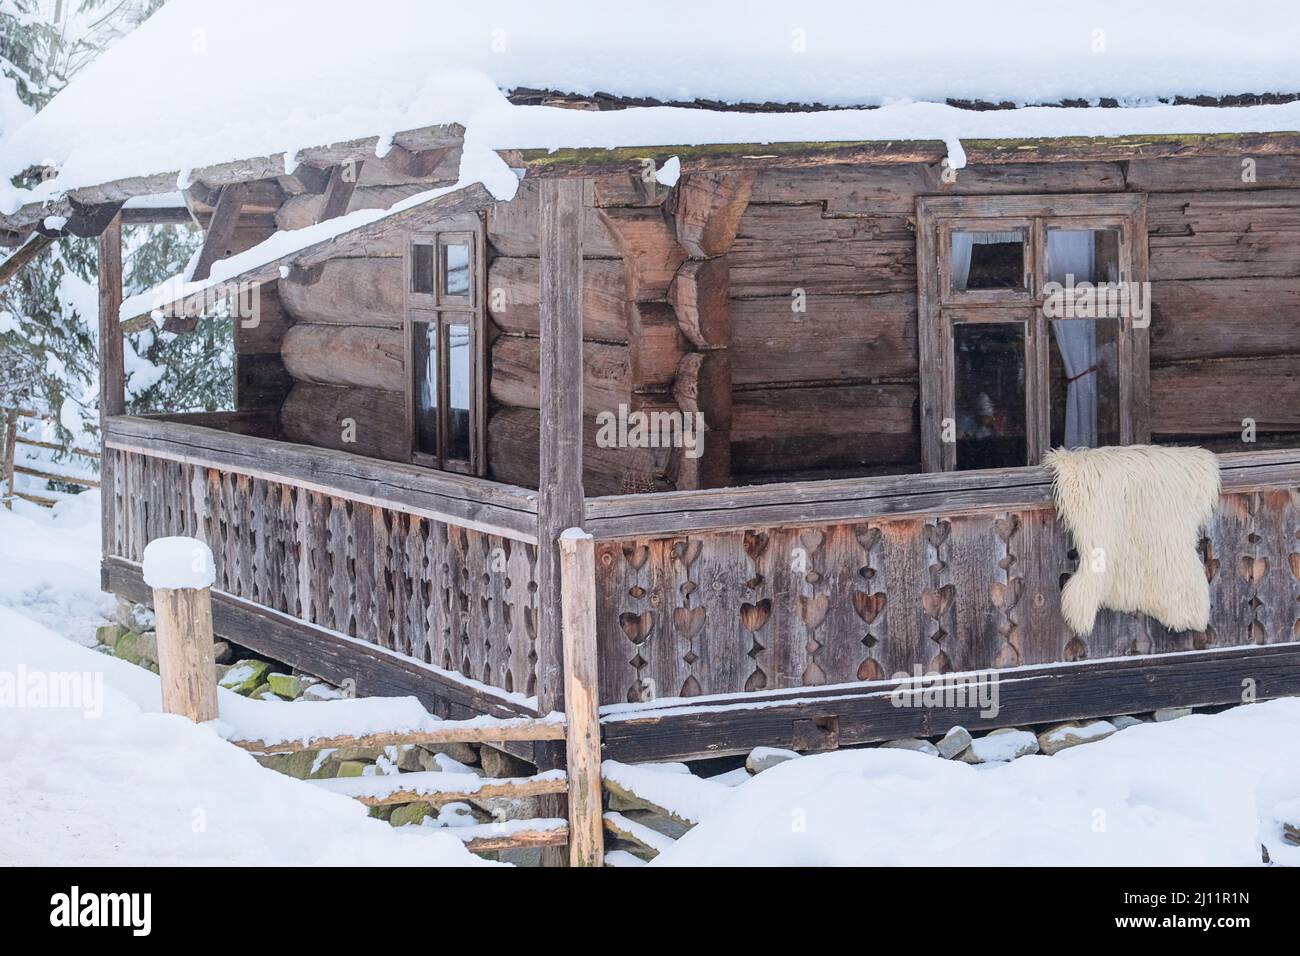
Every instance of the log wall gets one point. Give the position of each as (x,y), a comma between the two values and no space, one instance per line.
(832,382)
(783,305)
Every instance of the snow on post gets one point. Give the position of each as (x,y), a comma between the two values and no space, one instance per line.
(180,571)
(178,563)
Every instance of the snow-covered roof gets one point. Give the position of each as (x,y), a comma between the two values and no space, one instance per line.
(210,81)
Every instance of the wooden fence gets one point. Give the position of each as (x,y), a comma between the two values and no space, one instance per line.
(13,466)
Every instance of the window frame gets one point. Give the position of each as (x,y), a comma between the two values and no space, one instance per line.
(439,310)
(939,308)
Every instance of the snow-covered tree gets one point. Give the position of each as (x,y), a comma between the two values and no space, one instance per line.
(48,312)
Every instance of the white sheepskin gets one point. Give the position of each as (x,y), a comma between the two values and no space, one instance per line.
(1136,515)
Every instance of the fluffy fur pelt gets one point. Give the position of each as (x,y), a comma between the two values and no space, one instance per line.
(1136,515)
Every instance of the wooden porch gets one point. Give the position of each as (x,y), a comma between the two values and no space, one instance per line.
(727,618)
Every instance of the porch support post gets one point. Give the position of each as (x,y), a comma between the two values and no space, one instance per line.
(560,494)
(112,379)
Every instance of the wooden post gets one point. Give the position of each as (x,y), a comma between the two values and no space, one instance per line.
(175,568)
(581,697)
(11,441)
(560,493)
(112,378)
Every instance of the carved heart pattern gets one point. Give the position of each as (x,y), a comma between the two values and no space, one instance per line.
(936,601)
(754,616)
(812,541)
(1007,527)
(688,620)
(637,627)
(936,534)
(1253,569)
(868,606)
(755,544)
(812,610)
(687,551)
(636,555)
(867,537)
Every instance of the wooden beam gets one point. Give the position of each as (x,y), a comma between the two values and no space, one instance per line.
(220,238)
(486,506)
(112,375)
(24,254)
(581,697)
(478,731)
(862,499)
(338,191)
(512,788)
(157,216)
(811,718)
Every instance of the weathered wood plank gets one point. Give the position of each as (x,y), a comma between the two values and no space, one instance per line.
(1218,396)
(835,337)
(821,427)
(1229,235)
(513,437)
(367,422)
(1224,318)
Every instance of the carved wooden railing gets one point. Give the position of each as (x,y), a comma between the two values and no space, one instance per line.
(806,584)
(438,568)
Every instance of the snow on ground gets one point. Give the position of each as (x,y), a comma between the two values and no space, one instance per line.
(1179,793)
(109,779)
(49,566)
(449,63)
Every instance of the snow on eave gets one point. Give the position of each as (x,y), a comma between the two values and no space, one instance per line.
(272,258)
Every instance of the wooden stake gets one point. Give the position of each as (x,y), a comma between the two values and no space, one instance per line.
(581,700)
(11,439)
(186,662)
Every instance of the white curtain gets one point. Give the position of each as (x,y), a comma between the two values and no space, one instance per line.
(1071,252)
(962,243)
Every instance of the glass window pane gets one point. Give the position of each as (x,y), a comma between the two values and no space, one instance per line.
(1089,255)
(460,371)
(455,269)
(988,260)
(990,395)
(425,360)
(422,269)
(1085,383)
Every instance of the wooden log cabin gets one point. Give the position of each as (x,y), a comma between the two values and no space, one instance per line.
(424,403)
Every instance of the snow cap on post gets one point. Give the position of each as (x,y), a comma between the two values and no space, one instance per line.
(174,563)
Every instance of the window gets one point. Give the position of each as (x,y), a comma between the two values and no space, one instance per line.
(445,341)
(1034,318)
